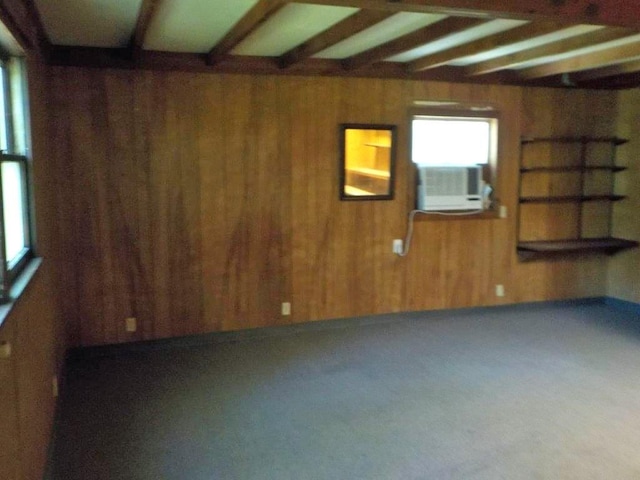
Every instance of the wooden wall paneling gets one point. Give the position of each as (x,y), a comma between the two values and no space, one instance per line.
(331,273)
(564,113)
(105,202)
(164,198)
(302,115)
(236,204)
(505,230)
(154,151)
(358,236)
(101,139)
(147,306)
(236,218)
(36,325)
(283,192)
(272,187)
(623,272)
(425,266)
(35,349)
(183,126)
(56,187)
(125,271)
(314,151)
(254,197)
(72,93)
(394,111)
(213,182)
(323,242)
(9,453)
(538,109)
(174,201)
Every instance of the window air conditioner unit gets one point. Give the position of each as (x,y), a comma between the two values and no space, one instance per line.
(450,188)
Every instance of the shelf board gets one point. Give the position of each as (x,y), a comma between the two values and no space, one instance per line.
(356,192)
(613,168)
(572,199)
(614,140)
(547,248)
(377,145)
(371,172)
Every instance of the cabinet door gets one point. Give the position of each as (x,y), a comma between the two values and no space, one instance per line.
(8,406)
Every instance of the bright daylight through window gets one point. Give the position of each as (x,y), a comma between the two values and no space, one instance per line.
(15,238)
(451,141)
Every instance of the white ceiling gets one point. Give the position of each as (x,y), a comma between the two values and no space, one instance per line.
(393,27)
(89,23)
(581,51)
(193,25)
(303,22)
(529,43)
(450,41)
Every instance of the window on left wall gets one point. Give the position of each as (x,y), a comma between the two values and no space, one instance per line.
(15,208)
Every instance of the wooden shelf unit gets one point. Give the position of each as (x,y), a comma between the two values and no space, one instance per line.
(572,198)
(576,172)
(546,248)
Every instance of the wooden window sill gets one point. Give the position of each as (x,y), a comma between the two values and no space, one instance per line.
(486,215)
(19,287)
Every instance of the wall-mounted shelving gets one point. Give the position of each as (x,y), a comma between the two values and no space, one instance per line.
(561,180)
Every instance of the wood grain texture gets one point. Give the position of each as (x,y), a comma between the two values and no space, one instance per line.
(38,321)
(623,273)
(202,202)
(9,459)
(547,113)
(37,324)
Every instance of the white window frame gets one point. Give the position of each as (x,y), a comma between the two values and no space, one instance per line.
(464,111)
(15,152)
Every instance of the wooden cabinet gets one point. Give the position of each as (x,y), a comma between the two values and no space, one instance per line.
(566,196)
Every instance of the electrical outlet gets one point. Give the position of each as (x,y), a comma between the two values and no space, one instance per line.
(54,386)
(503,211)
(499,290)
(397,246)
(131,324)
(286,308)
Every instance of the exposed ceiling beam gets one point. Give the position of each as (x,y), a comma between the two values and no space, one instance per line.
(255,17)
(169,61)
(41,33)
(147,10)
(598,12)
(514,35)
(410,41)
(568,44)
(585,61)
(349,26)
(16,28)
(620,82)
(606,72)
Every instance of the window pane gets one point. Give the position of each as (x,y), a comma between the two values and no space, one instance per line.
(14,209)
(19,124)
(4,140)
(450,142)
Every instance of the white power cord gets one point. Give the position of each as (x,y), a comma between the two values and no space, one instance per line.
(413,213)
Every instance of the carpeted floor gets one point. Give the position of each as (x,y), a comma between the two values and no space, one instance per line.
(549,391)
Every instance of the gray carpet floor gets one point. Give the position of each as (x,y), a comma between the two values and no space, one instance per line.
(546,391)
